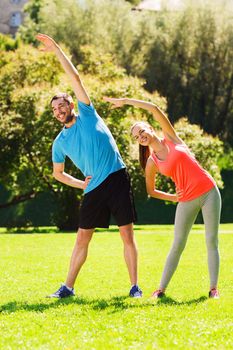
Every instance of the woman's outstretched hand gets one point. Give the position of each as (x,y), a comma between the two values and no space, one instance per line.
(116,102)
(49,45)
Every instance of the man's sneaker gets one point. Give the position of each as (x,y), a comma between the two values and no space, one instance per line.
(158,294)
(62,292)
(135,292)
(213,293)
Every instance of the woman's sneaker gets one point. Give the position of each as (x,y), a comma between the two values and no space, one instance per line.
(135,292)
(63,292)
(213,293)
(158,294)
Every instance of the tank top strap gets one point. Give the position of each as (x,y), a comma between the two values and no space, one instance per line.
(169,144)
(154,158)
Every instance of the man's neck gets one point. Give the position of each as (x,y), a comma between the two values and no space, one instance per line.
(70,123)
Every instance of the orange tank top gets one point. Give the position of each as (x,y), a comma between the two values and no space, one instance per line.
(184,170)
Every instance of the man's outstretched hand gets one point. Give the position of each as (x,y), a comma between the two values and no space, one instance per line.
(49,44)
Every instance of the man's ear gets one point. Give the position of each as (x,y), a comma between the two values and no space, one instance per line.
(71,105)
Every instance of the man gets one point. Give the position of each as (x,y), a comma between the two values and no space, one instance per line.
(87,141)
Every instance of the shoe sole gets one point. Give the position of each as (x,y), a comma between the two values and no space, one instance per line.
(57,297)
(158,296)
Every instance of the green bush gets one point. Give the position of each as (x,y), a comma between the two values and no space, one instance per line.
(27,128)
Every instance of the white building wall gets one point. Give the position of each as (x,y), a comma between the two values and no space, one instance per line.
(11,15)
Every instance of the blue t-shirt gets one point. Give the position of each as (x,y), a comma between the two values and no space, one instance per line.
(90,145)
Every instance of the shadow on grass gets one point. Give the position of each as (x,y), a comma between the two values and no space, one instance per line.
(51,230)
(169,301)
(114,304)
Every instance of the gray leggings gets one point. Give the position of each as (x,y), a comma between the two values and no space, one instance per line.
(186,213)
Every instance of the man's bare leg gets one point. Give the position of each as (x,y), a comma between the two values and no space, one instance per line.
(79,255)
(130,251)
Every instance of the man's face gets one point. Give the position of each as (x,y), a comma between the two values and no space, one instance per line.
(62,110)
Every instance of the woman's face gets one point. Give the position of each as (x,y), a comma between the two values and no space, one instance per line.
(143,134)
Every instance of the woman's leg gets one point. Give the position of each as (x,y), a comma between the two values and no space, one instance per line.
(186,213)
(211,209)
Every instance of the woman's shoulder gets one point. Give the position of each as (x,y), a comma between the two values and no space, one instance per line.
(175,141)
(152,162)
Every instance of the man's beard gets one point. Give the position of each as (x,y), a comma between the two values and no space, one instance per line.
(69,118)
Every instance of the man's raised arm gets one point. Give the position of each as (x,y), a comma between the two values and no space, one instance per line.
(51,46)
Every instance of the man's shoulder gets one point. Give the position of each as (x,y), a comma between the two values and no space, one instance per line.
(58,137)
(86,109)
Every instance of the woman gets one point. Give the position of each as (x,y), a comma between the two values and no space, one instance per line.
(195,189)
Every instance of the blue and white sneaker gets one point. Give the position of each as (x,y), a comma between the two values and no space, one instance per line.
(62,292)
(135,292)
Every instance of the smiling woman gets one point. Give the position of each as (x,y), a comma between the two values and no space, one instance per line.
(139,131)
(195,189)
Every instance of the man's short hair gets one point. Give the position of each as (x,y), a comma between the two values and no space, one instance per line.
(63,95)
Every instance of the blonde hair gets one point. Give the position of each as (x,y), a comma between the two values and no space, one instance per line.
(140,124)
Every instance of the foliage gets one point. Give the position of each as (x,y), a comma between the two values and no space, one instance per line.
(186,55)
(191,63)
(100,315)
(134,2)
(27,128)
(32,22)
(226,161)
(7,43)
(105,24)
(26,123)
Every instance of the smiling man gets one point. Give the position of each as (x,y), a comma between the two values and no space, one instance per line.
(88,142)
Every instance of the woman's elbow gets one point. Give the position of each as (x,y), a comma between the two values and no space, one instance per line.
(150,191)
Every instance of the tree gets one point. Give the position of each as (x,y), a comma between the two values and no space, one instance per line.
(27,82)
(191,64)
(27,127)
(186,55)
(134,2)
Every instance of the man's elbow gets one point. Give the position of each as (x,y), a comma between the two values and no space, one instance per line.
(56,175)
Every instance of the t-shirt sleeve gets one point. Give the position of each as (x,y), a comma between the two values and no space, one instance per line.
(58,155)
(85,110)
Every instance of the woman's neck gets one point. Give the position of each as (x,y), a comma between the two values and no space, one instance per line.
(160,149)
(156,144)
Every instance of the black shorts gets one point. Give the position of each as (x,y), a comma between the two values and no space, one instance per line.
(113,196)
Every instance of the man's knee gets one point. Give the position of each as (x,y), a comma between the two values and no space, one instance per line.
(127,235)
(84,236)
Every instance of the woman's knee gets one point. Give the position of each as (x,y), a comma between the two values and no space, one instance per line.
(212,241)
(178,246)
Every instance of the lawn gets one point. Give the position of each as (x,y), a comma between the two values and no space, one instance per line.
(101,315)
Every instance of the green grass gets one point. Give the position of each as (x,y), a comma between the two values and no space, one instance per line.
(102,316)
